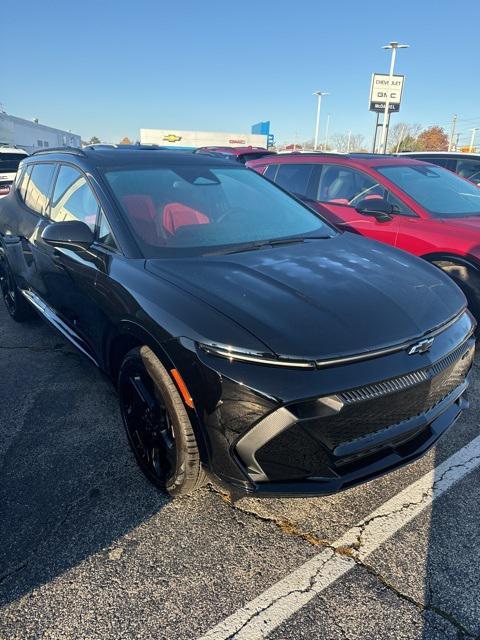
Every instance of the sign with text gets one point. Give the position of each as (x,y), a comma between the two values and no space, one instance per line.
(385,87)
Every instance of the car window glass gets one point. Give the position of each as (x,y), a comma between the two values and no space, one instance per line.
(38,189)
(270,171)
(187,209)
(105,235)
(468,168)
(441,162)
(73,198)
(344,185)
(24,183)
(439,191)
(294,177)
(9,161)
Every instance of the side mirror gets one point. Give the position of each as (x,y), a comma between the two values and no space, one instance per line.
(379,208)
(70,232)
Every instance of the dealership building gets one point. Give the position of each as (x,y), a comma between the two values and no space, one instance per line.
(31,135)
(178,138)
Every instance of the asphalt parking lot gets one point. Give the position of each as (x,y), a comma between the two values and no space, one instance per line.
(88,549)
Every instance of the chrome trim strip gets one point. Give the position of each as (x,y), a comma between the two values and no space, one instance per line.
(249,356)
(49,314)
(393,349)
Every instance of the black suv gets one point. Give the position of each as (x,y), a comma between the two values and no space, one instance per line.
(467,165)
(245,335)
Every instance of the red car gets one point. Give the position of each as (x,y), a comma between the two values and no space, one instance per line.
(416,206)
(240,154)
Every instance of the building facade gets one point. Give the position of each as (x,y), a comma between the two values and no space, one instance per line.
(31,135)
(178,138)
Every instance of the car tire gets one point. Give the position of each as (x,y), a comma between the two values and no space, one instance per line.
(157,424)
(18,308)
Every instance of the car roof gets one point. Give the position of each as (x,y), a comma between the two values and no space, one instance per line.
(238,151)
(13,150)
(444,154)
(352,159)
(110,156)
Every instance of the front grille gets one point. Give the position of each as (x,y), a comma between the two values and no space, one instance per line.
(403,382)
(374,407)
(305,448)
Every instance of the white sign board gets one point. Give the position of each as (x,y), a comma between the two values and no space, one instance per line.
(383,87)
(177,138)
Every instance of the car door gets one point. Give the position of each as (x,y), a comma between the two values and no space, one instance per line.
(340,189)
(25,225)
(78,289)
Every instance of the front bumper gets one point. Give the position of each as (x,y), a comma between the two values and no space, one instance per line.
(273,432)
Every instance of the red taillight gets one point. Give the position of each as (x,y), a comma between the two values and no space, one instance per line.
(4,189)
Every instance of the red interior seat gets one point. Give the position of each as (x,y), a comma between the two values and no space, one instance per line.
(176,215)
(142,212)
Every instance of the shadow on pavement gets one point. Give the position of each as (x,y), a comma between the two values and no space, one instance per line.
(69,485)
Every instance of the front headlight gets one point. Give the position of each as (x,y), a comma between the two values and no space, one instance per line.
(244,355)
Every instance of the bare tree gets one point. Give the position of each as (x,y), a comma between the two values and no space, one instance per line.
(344,142)
(402,137)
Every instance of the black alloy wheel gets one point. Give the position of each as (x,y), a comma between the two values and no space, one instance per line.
(17,307)
(157,425)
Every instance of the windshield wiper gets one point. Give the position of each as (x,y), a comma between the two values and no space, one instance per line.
(253,246)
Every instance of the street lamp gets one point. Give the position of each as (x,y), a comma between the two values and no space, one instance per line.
(386,114)
(319,95)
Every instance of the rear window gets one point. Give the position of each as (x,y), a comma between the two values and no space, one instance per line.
(9,161)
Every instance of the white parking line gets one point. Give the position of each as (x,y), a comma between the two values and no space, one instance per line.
(265,613)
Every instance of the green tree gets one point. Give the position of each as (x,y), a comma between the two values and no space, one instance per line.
(94,140)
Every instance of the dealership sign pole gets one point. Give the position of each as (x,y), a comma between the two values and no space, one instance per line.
(392,91)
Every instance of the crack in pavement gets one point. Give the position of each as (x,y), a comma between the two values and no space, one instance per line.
(354,546)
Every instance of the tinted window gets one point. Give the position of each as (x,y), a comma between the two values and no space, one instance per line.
(441,162)
(9,161)
(188,209)
(105,235)
(344,185)
(441,192)
(38,189)
(469,169)
(295,177)
(73,198)
(22,190)
(270,171)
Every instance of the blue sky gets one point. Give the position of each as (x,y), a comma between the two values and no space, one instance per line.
(109,67)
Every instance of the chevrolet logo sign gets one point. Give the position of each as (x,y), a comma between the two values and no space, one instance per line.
(421,347)
(172,138)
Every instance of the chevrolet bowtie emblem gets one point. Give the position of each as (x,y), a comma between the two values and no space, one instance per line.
(172,138)
(421,347)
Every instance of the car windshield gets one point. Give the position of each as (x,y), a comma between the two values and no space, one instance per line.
(441,192)
(190,209)
(9,161)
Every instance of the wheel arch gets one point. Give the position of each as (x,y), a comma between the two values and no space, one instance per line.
(129,335)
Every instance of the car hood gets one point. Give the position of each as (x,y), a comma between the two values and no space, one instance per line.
(320,298)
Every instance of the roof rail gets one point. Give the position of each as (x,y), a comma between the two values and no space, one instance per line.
(107,145)
(74,150)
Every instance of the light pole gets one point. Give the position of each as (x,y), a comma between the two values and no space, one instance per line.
(325,147)
(348,141)
(319,95)
(472,141)
(386,114)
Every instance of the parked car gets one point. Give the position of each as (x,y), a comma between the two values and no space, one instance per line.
(467,165)
(246,337)
(412,205)
(238,154)
(10,157)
